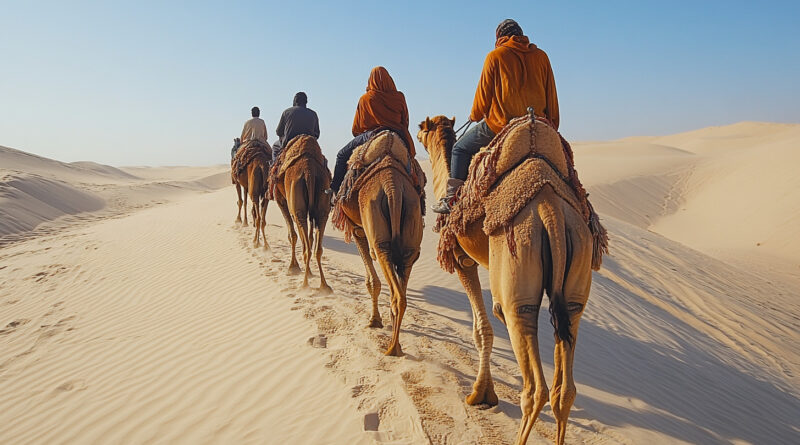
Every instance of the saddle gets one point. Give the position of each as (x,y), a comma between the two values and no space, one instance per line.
(299,147)
(383,150)
(248,151)
(505,176)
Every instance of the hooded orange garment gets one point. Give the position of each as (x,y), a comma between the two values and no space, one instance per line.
(516,75)
(382,106)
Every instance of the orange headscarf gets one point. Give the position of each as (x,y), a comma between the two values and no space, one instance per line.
(382,106)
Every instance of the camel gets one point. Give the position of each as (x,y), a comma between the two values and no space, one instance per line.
(552,252)
(383,209)
(254,181)
(299,190)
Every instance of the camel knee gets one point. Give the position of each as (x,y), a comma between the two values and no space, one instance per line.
(526,317)
(562,398)
(533,398)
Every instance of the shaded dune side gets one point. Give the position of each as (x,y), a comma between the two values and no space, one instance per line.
(28,200)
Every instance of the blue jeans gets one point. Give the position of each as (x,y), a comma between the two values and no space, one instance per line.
(465,148)
(344,155)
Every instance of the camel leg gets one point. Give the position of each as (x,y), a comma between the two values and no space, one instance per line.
(246,192)
(323,284)
(263,218)
(294,266)
(373,282)
(239,203)
(576,293)
(302,227)
(398,299)
(483,388)
(518,289)
(256,220)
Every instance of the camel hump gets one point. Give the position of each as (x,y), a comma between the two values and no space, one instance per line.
(519,144)
(377,147)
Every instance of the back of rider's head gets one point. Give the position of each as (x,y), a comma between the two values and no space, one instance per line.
(255,112)
(508,28)
(300,99)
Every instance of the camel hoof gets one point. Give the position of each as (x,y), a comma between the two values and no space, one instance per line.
(375,323)
(294,269)
(325,290)
(485,397)
(394,350)
(266,247)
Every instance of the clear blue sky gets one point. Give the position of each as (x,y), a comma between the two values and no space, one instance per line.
(165,83)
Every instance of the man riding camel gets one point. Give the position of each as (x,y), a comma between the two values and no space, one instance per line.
(255,130)
(296,120)
(381,107)
(516,75)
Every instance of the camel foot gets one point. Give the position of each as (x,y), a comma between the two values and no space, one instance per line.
(324,290)
(394,350)
(485,396)
(375,323)
(238,221)
(266,247)
(294,269)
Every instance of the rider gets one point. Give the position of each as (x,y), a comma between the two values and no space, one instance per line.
(516,75)
(255,129)
(381,107)
(295,121)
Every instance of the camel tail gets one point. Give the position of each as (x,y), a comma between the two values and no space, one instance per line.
(395,204)
(556,234)
(313,218)
(311,190)
(255,185)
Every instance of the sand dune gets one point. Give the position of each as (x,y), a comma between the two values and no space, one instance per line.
(727,191)
(161,324)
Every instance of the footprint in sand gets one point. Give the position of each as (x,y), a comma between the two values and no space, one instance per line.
(72,385)
(12,326)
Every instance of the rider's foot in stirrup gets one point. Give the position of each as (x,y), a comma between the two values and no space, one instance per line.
(443,206)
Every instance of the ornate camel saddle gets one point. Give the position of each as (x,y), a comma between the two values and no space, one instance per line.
(299,147)
(383,150)
(506,175)
(248,151)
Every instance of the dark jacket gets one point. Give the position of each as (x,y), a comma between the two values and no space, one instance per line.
(295,121)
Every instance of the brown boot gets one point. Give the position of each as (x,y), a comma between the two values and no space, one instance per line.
(444,204)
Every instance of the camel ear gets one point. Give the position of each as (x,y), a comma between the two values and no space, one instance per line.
(453,121)
(427,125)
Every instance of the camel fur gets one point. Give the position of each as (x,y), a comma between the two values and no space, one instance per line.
(299,179)
(250,170)
(546,245)
(379,206)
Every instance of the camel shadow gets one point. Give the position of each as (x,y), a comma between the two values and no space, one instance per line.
(680,389)
(338,245)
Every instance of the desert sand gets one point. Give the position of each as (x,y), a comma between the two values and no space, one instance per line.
(134,310)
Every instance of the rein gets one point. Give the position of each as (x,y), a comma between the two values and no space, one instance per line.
(467,124)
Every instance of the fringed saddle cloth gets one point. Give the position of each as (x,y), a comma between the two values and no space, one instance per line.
(248,151)
(301,146)
(384,150)
(505,176)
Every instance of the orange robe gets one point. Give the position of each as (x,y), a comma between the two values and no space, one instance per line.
(382,106)
(516,75)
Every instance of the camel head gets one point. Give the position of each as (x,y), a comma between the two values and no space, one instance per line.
(437,136)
